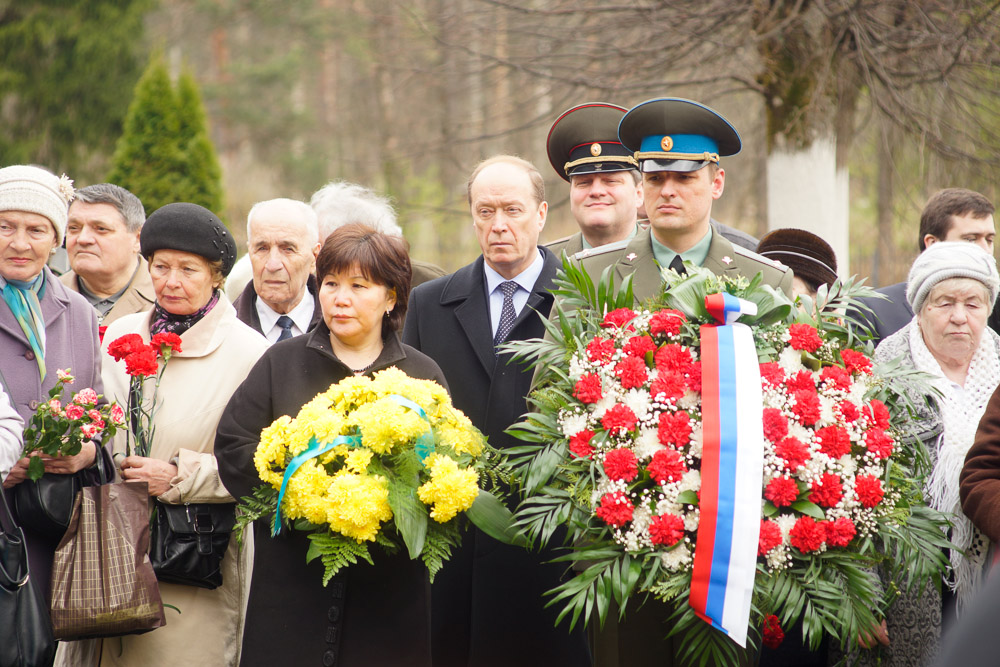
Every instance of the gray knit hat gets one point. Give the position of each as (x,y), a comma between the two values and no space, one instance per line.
(950,259)
(36,190)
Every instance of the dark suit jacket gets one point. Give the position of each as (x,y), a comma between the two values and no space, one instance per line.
(889,316)
(246,306)
(487,602)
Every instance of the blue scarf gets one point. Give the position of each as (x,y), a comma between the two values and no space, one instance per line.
(23,300)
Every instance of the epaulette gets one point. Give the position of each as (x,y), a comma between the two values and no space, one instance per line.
(602,250)
(750,254)
(558,241)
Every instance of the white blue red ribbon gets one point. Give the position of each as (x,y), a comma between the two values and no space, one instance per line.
(725,556)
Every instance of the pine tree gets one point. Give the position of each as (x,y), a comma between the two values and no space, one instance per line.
(149,160)
(203,175)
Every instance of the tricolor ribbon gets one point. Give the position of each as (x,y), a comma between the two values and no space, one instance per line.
(424,447)
(725,556)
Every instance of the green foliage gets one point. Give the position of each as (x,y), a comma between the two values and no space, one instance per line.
(335,553)
(165,154)
(63,71)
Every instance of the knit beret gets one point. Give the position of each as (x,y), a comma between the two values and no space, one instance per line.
(36,190)
(810,257)
(191,228)
(950,259)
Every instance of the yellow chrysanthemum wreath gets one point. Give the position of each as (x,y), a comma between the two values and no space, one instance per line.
(375,452)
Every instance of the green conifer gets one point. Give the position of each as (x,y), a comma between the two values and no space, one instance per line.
(203,176)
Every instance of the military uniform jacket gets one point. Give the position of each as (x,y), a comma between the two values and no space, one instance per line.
(569,245)
(487,602)
(636,259)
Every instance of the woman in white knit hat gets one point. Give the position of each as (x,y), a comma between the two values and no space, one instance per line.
(952,287)
(43,327)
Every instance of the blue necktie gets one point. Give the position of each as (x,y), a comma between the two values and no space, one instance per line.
(285,322)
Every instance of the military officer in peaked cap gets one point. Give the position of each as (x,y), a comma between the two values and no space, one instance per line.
(603,176)
(677,144)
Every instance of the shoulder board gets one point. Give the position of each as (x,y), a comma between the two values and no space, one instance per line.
(602,250)
(561,241)
(750,254)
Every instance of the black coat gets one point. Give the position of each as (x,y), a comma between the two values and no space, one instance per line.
(376,615)
(489,593)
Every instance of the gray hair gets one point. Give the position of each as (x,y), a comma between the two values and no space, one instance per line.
(306,213)
(127,204)
(340,202)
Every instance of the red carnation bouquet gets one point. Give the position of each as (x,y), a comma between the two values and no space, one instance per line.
(60,427)
(616,459)
(143,360)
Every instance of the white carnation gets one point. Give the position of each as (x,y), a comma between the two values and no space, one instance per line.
(573,422)
(790,360)
(677,558)
(647,444)
(638,401)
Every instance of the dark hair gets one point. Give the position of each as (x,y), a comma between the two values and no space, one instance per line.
(936,217)
(382,259)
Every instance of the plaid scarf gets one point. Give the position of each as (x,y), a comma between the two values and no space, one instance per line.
(178,324)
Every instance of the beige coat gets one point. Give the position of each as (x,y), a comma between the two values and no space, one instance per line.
(216,355)
(138,297)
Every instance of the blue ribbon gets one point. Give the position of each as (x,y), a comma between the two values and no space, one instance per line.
(424,447)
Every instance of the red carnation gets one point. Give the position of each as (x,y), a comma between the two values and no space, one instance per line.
(141,362)
(669,383)
(666,321)
(618,317)
(772,373)
(600,350)
(615,509)
(868,488)
(666,529)
(807,534)
(667,465)
(827,491)
(638,346)
(839,533)
(674,428)
(879,443)
(804,337)
(621,464)
(794,453)
(773,634)
(834,441)
(770,536)
(168,340)
(588,389)
(877,414)
(618,419)
(801,380)
(849,411)
(121,347)
(836,377)
(856,362)
(694,377)
(781,491)
(673,357)
(775,424)
(806,406)
(631,372)
(579,444)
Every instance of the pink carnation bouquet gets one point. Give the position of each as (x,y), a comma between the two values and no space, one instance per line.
(614,460)
(60,427)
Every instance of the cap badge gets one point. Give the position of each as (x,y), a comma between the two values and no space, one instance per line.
(595,149)
(666,143)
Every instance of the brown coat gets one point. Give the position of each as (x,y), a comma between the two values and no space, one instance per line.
(138,296)
(980,479)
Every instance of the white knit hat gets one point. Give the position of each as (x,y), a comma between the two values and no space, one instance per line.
(950,259)
(36,190)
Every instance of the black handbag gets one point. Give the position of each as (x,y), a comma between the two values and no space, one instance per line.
(46,505)
(187,542)
(24,614)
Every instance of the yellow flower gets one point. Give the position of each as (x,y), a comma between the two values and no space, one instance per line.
(385,425)
(357,460)
(450,490)
(357,505)
(458,433)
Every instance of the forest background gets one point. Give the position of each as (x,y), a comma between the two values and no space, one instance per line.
(876,104)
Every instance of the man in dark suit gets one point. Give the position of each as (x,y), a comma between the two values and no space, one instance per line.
(954,214)
(282,242)
(488,601)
